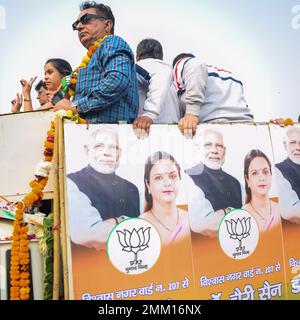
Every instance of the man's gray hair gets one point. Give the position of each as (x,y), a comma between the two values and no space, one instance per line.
(199,138)
(290,130)
(106,129)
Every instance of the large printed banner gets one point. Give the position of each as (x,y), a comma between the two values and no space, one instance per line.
(165,217)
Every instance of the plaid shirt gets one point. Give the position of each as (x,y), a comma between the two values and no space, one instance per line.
(106,90)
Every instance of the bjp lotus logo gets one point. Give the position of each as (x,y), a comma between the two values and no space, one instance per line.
(134,241)
(238,229)
(237,224)
(131,239)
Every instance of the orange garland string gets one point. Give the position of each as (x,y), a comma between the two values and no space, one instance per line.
(20,258)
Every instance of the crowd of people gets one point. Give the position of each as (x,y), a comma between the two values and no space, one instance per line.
(112,85)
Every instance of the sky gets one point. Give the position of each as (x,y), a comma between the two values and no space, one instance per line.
(259,41)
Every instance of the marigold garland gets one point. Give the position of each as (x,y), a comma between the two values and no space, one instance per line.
(20,258)
(288,122)
(69,83)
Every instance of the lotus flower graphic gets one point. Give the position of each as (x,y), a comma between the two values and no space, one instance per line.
(134,241)
(238,229)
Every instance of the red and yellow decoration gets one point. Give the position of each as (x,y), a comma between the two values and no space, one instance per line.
(69,82)
(20,258)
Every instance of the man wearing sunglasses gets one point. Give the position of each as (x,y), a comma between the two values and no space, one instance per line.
(106,90)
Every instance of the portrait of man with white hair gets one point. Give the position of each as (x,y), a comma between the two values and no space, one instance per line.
(288,176)
(222,190)
(97,197)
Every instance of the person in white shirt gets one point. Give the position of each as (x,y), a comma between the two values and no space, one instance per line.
(288,177)
(207,94)
(158,102)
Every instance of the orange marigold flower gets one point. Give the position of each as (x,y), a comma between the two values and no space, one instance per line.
(19,216)
(25,290)
(89,53)
(288,122)
(19,205)
(15,290)
(15,276)
(24,255)
(15,272)
(27,202)
(42,185)
(15,258)
(24,236)
(41,195)
(19,211)
(49,145)
(37,189)
(24,228)
(17,223)
(24,275)
(16,235)
(15,283)
(33,184)
(24,261)
(24,283)
(92,48)
(44,180)
(24,297)
(82,121)
(50,133)
(15,250)
(33,197)
(14,268)
(49,159)
(24,249)
(17,227)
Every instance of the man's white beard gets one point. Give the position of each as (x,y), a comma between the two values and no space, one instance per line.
(105,169)
(212,165)
(296,161)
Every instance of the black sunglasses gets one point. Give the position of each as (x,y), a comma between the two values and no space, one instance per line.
(85,19)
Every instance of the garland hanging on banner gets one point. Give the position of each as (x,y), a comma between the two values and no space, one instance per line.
(20,258)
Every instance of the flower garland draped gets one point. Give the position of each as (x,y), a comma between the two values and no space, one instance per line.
(20,258)
(68,83)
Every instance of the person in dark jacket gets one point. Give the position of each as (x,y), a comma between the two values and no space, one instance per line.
(97,197)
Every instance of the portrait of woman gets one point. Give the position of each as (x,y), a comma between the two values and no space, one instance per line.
(162,179)
(258,179)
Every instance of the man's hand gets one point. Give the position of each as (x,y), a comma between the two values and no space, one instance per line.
(141,126)
(26,86)
(64,104)
(188,125)
(16,103)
